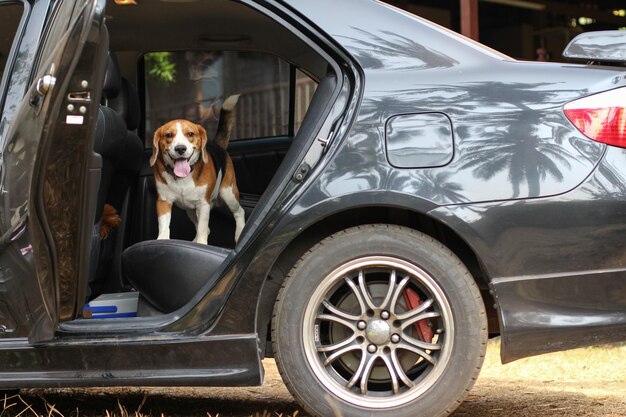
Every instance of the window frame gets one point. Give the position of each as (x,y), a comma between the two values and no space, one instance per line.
(15,46)
(49,24)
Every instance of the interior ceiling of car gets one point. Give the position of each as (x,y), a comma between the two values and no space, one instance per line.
(168,25)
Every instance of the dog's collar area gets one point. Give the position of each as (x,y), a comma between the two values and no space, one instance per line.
(170,170)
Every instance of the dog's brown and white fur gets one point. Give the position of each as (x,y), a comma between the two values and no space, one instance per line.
(187,172)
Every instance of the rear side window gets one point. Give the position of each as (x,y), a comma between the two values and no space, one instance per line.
(10,15)
(191,85)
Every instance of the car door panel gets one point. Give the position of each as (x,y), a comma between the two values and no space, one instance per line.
(49,171)
(255,162)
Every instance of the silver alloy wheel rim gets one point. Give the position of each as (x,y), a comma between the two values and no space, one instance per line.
(382,345)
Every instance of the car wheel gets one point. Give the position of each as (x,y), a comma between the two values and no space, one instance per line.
(379,320)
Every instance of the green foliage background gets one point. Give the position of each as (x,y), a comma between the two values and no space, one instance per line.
(159,65)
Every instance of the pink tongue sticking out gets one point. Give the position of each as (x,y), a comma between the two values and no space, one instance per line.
(181,168)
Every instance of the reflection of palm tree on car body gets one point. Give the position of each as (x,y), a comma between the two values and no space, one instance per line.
(527,157)
(526,142)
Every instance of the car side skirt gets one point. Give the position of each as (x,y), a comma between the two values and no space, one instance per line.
(549,313)
(204,361)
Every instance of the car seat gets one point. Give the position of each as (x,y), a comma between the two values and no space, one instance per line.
(122,152)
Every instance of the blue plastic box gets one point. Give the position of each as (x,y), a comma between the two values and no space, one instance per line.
(112,306)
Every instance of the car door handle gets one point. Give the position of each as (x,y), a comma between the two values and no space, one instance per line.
(44,84)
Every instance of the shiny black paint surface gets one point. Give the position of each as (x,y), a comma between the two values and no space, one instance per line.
(19,145)
(557,265)
(535,201)
(515,153)
(544,314)
(511,137)
(578,231)
(232,361)
(35,160)
(14,265)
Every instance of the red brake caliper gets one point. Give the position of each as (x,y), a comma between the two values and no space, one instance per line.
(424,327)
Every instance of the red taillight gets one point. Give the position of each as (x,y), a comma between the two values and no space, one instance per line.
(601,117)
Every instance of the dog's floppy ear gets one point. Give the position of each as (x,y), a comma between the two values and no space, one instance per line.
(203,139)
(155,147)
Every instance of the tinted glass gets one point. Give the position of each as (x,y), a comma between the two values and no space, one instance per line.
(192,85)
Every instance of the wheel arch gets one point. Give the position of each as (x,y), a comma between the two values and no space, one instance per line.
(358,216)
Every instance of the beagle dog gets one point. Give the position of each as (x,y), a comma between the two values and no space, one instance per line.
(192,172)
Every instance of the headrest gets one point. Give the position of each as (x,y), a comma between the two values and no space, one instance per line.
(112,78)
(127,106)
(110,134)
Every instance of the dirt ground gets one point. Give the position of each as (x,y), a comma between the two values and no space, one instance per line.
(584,382)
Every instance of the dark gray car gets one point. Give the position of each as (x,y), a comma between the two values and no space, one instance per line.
(409,193)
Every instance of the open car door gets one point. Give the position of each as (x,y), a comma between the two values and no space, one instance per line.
(50,173)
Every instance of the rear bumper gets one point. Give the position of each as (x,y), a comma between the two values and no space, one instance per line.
(556,265)
(541,314)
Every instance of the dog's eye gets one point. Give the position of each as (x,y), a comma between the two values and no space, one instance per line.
(190,134)
(169,135)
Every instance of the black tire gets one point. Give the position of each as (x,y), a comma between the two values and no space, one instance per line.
(424,343)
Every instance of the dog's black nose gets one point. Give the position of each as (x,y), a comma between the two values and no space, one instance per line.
(180,149)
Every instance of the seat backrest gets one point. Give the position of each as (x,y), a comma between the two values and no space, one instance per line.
(119,115)
(169,273)
(110,129)
(122,155)
(127,105)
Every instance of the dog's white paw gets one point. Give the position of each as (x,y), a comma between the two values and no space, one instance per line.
(230,102)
